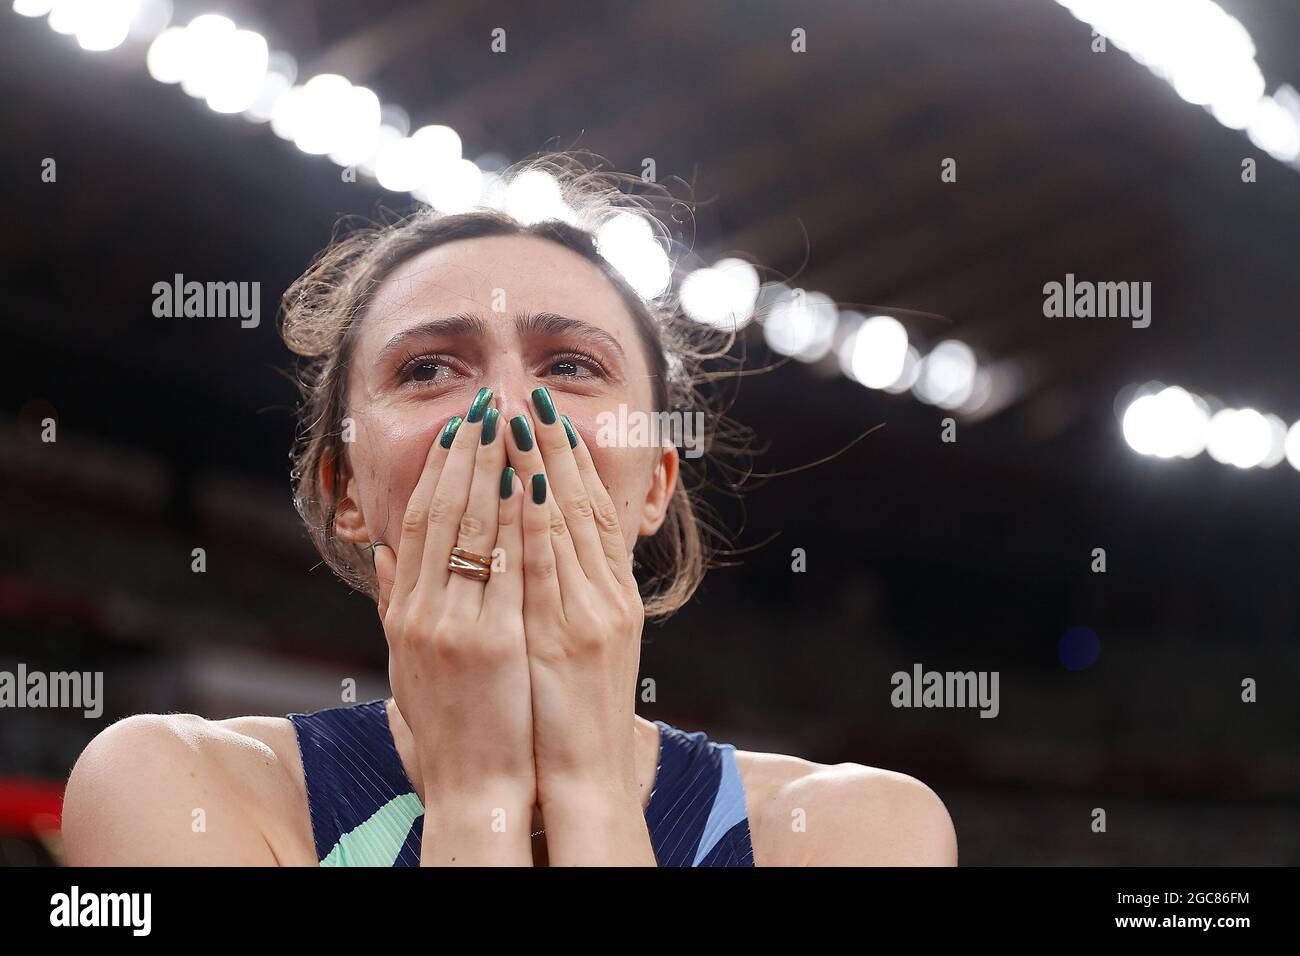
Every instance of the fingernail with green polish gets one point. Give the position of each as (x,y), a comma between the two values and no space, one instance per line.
(568,430)
(489,426)
(449,431)
(523,434)
(539,489)
(479,405)
(507,482)
(545,407)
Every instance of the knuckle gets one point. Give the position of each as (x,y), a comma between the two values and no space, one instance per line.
(607,517)
(631,617)
(472,526)
(559,528)
(444,641)
(398,627)
(589,644)
(616,556)
(587,640)
(579,506)
(439,509)
(584,634)
(413,521)
(541,569)
(534,521)
(508,517)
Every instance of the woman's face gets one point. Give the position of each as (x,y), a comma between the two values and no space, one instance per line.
(511,313)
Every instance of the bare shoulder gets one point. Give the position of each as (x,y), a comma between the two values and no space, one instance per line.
(809,814)
(177,789)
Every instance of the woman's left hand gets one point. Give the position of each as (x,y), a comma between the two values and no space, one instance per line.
(583,618)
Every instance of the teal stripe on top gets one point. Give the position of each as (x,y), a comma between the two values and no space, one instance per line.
(365,811)
(379,840)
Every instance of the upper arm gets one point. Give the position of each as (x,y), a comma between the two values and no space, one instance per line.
(851,815)
(154,790)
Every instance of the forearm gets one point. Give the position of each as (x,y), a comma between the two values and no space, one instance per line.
(483,828)
(596,826)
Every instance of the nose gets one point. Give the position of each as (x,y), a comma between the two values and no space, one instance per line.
(512,386)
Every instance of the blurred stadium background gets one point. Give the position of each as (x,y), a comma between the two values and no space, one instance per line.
(824,167)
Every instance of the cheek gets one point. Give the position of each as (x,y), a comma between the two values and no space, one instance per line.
(625,474)
(388,463)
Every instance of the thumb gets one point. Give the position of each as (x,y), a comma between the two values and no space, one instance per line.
(385,570)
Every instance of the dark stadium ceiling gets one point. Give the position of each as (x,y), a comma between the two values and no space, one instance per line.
(822,167)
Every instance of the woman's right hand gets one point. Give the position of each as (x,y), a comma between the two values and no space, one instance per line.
(457,660)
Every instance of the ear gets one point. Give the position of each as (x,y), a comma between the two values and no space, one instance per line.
(349,521)
(660,493)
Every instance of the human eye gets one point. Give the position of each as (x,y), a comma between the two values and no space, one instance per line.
(574,364)
(423,371)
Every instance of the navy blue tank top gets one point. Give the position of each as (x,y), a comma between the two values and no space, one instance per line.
(365,811)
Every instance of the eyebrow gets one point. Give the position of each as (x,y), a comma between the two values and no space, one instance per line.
(467,324)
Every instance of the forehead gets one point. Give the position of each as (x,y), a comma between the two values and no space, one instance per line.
(501,274)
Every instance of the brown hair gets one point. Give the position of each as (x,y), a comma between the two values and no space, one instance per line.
(323,308)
